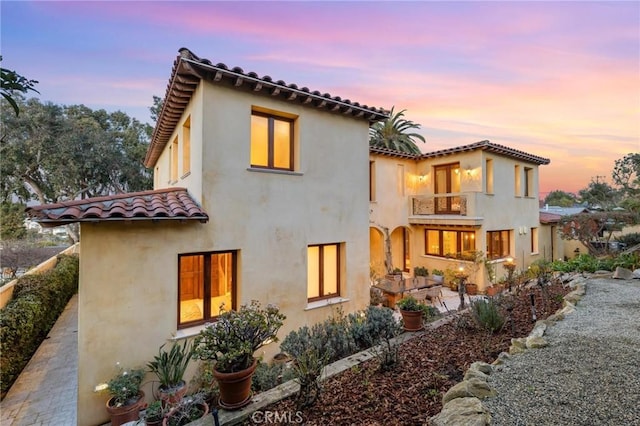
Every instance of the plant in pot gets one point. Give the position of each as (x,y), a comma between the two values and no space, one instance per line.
(154,414)
(421,273)
(438,276)
(231,342)
(126,397)
(170,366)
(411,311)
(189,409)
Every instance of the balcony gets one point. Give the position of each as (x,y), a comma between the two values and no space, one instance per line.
(444,209)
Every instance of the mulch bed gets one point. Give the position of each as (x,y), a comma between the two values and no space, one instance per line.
(430,364)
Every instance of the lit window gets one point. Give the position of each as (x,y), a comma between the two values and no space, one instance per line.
(534,240)
(489,176)
(372,180)
(497,244)
(174,159)
(323,271)
(528,182)
(205,283)
(449,243)
(518,180)
(271,141)
(447,181)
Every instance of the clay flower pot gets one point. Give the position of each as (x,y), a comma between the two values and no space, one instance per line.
(412,320)
(125,413)
(235,388)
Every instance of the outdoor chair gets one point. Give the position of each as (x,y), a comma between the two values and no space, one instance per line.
(420,295)
(434,293)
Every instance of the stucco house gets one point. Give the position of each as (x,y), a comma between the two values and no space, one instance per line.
(439,206)
(259,193)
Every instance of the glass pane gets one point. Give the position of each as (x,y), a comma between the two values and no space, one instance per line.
(455,179)
(259,141)
(221,282)
(441,181)
(191,288)
(330,269)
(504,236)
(449,242)
(313,272)
(433,242)
(282,144)
(468,242)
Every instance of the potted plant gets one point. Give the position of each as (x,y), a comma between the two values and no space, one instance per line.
(154,414)
(411,311)
(231,342)
(170,366)
(126,397)
(421,273)
(189,409)
(438,276)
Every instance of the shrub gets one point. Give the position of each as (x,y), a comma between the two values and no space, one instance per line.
(486,314)
(268,376)
(371,326)
(38,300)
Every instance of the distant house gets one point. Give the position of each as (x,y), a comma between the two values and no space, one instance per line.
(440,207)
(549,220)
(259,193)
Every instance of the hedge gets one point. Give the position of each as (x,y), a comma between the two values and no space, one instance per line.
(38,300)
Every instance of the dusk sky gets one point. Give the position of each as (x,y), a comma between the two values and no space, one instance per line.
(555,79)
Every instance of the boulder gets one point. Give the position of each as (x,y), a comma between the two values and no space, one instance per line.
(472,387)
(636,274)
(534,342)
(462,412)
(623,273)
(481,366)
(475,374)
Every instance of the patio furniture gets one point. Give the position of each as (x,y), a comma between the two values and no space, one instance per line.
(421,295)
(395,290)
(434,293)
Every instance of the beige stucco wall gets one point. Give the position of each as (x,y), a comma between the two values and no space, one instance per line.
(128,296)
(500,210)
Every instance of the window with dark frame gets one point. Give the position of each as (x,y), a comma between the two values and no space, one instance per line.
(447,181)
(498,244)
(441,242)
(323,271)
(206,281)
(271,141)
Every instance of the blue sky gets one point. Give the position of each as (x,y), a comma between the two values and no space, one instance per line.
(556,79)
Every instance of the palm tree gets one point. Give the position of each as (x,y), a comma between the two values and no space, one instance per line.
(390,134)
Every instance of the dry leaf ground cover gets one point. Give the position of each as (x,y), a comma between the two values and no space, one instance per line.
(430,363)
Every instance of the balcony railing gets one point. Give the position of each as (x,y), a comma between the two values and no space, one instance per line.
(440,205)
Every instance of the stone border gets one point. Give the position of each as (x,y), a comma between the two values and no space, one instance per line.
(462,404)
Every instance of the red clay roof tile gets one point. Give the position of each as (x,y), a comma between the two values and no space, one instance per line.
(160,204)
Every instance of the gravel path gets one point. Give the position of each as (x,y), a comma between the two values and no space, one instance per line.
(590,372)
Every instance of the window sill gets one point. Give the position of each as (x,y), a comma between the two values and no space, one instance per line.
(325,302)
(275,171)
(185,333)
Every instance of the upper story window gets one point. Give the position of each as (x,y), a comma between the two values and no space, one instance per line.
(271,141)
(489,176)
(518,180)
(205,282)
(173,149)
(528,182)
(447,181)
(372,180)
(186,146)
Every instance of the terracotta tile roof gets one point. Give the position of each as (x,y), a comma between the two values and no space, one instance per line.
(161,204)
(482,145)
(189,69)
(549,217)
(490,147)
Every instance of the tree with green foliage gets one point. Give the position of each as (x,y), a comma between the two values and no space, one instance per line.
(599,195)
(11,83)
(560,198)
(595,229)
(53,153)
(12,221)
(392,133)
(626,174)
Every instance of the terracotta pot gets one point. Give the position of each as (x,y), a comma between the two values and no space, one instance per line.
(471,289)
(412,320)
(127,413)
(173,396)
(235,388)
(492,291)
(167,418)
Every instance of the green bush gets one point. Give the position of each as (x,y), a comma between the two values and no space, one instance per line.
(268,376)
(38,300)
(372,325)
(487,315)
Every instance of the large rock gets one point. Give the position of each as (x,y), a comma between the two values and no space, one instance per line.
(636,274)
(472,387)
(623,273)
(535,342)
(462,412)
